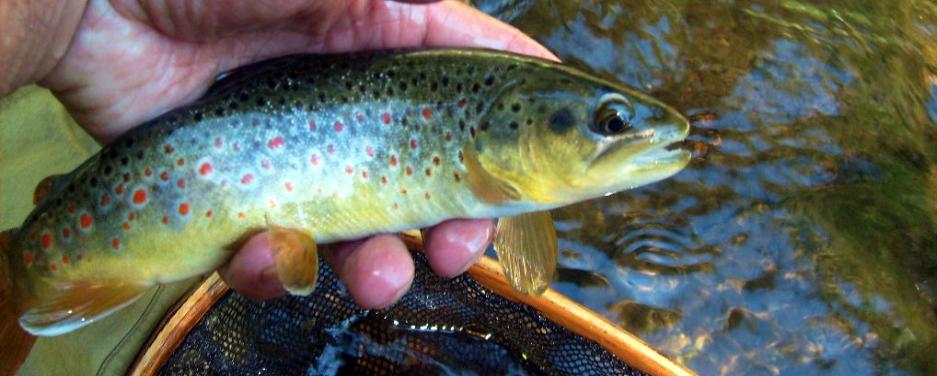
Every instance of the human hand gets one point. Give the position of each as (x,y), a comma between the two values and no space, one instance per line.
(131,60)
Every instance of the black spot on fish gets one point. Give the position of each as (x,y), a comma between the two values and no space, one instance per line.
(461,125)
(484,126)
(243,97)
(93,182)
(561,120)
(459,87)
(433,86)
(445,81)
(475,88)
(403,86)
(219,111)
(478,107)
(128,142)
(198,116)
(140,154)
(513,125)
(516,107)
(322,97)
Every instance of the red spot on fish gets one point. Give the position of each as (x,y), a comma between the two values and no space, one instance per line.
(53,267)
(164,176)
(45,241)
(66,233)
(413,143)
(288,186)
(79,257)
(314,160)
(139,197)
(348,170)
(27,258)
(65,260)
(184,209)
(148,172)
(369,150)
(385,117)
(265,164)
(462,103)
(71,209)
(181,183)
(330,149)
(165,219)
(115,243)
(84,221)
(181,161)
(339,126)
(409,170)
(247,179)
(241,215)
(312,124)
(125,226)
(168,149)
(275,142)
(436,160)
(393,160)
(383,180)
(205,169)
(427,113)
(119,190)
(209,213)
(218,143)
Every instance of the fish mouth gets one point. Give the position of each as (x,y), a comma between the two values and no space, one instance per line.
(674,154)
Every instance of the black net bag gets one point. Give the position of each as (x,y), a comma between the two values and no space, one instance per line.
(440,326)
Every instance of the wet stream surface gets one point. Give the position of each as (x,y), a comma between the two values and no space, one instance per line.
(803,239)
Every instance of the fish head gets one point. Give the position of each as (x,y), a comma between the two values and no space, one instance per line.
(570,137)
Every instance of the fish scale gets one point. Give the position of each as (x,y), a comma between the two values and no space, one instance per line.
(341,146)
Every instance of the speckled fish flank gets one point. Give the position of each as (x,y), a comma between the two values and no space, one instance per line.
(342,146)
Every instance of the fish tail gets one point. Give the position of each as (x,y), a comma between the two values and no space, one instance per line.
(16,341)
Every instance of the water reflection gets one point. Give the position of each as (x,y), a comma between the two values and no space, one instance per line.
(803,239)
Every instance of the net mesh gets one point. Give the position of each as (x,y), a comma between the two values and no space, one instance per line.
(441,326)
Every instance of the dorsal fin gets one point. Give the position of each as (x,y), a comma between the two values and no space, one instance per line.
(44,187)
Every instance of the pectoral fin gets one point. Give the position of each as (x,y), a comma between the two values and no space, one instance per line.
(527,248)
(69,306)
(297,260)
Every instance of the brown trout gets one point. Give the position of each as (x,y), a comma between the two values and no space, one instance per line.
(326,148)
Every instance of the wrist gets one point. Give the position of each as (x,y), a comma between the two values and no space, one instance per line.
(35,36)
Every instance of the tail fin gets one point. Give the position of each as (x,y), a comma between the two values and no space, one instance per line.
(16,342)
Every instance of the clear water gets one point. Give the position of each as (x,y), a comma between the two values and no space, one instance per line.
(803,240)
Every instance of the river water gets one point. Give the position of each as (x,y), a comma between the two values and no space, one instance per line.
(803,238)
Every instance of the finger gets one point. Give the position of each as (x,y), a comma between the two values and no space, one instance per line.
(377,271)
(252,272)
(453,246)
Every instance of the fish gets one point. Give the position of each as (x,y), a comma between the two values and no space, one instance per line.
(322,148)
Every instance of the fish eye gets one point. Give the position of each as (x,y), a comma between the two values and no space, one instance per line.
(613,117)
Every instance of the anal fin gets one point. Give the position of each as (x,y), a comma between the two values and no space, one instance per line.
(69,306)
(527,249)
(297,259)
